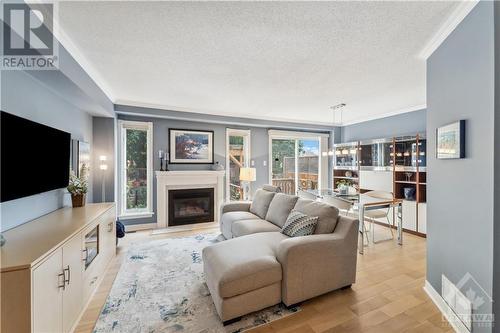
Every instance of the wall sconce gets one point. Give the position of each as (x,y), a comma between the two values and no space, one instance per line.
(103,167)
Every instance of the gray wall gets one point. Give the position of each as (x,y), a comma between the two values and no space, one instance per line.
(27,97)
(460,85)
(409,123)
(103,130)
(496,235)
(65,99)
(259,148)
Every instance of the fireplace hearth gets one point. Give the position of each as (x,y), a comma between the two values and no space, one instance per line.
(190,206)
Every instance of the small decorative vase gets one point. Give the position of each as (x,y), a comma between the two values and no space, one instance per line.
(78,200)
(343,189)
(409,193)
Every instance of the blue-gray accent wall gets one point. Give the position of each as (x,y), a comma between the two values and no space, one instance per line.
(218,124)
(65,99)
(409,123)
(104,141)
(460,192)
(496,203)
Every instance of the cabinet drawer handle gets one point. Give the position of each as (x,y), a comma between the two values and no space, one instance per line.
(67,280)
(63,286)
(94,279)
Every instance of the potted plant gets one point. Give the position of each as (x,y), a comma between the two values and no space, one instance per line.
(78,187)
(343,186)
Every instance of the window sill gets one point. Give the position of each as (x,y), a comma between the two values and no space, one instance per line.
(140,215)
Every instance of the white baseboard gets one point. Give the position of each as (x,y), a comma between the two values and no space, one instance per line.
(142,226)
(187,227)
(447,312)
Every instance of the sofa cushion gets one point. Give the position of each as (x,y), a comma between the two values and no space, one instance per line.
(327,214)
(247,227)
(281,205)
(227,220)
(298,224)
(260,203)
(271,188)
(238,266)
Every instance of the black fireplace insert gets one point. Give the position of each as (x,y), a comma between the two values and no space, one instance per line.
(190,206)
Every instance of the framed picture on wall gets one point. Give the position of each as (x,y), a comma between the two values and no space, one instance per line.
(80,156)
(191,146)
(450,140)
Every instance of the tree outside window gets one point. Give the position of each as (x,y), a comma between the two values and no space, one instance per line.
(136,169)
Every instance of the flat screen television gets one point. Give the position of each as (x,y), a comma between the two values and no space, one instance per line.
(34,158)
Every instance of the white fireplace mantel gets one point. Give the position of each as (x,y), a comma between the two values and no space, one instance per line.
(173,180)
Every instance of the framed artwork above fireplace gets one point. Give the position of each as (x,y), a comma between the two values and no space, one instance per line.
(191,146)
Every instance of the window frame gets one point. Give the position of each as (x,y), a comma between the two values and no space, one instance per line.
(322,138)
(247,135)
(123,212)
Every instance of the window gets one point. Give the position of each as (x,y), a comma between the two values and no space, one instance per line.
(296,160)
(237,156)
(135,169)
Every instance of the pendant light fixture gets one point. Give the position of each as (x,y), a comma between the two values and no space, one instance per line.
(335,109)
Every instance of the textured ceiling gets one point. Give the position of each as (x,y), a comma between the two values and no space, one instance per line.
(270,60)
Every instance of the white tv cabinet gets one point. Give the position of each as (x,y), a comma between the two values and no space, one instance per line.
(47,275)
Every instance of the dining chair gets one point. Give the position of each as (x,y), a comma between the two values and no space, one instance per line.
(380,213)
(342,205)
(345,207)
(306,195)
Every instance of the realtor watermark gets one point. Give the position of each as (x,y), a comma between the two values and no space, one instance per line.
(28,42)
(475,309)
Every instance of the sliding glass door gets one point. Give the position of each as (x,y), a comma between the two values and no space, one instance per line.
(296,162)
(237,157)
(308,160)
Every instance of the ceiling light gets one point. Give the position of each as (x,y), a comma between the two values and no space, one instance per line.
(338,106)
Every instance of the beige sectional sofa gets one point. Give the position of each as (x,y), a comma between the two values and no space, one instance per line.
(257,266)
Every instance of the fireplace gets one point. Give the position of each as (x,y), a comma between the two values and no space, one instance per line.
(189,206)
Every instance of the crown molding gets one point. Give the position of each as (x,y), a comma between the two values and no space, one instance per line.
(197,114)
(64,40)
(385,115)
(78,56)
(457,16)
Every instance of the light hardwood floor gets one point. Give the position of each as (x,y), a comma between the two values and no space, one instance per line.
(387,295)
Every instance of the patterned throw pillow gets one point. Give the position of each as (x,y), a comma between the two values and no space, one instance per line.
(298,224)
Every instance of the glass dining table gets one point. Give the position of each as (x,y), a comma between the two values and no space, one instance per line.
(363,203)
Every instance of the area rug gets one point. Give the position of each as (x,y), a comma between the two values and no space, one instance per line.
(161,288)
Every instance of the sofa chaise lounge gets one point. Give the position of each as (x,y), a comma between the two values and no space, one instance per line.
(257,266)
